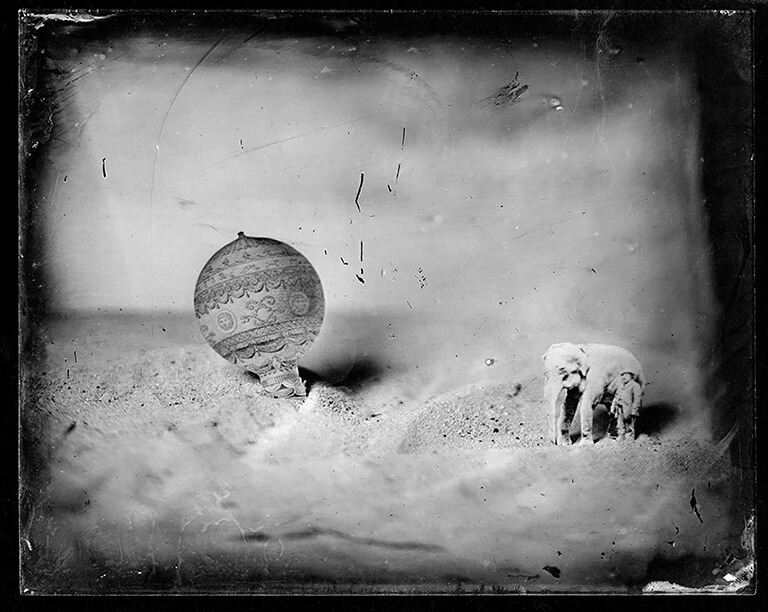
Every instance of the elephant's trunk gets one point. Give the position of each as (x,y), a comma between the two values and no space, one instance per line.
(552,389)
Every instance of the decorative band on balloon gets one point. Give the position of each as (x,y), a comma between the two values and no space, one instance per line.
(247,264)
(275,277)
(226,292)
(267,337)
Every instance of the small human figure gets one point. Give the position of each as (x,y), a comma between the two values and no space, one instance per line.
(626,404)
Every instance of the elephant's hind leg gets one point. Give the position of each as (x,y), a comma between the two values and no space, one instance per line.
(561,430)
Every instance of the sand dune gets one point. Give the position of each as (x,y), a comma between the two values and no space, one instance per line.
(194,481)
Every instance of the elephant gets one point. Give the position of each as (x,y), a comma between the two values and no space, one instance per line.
(595,372)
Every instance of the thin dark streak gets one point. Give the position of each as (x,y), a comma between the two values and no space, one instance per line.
(538,227)
(75,352)
(157,151)
(275,142)
(402,144)
(409,304)
(361,251)
(342,261)
(252,36)
(104,166)
(211,226)
(62,101)
(236,47)
(77,78)
(359,189)
(397,176)
(60,139)
(360,278)
(173,101)
(390,188)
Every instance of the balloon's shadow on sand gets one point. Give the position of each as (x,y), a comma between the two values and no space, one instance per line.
(362,372)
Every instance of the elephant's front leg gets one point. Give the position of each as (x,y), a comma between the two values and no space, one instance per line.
(555,406)
(586,410)
(563,438)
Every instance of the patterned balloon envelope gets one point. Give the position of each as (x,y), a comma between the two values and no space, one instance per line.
(260,305)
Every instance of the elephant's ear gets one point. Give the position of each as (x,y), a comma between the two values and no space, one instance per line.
(583,360)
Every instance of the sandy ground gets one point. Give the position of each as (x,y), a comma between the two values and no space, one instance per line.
(164,469)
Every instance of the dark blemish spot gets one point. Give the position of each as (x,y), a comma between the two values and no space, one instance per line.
(359,189)
(359,278)
(163,328)
(241,143)
(325,251)
(559,553)
(344,262)
(104,166)
(593,270)
(65,178)
(256,537)
(228,504)
(214,423)
(553,570)
(71,428)
(518,386)
(671,542)
(694,506)
(508,94)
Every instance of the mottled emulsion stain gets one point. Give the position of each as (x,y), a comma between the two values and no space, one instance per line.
(507,94)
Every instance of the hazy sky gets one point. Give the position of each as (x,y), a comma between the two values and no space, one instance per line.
(520,181)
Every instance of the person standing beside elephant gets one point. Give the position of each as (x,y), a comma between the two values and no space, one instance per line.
(626,404)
